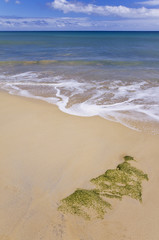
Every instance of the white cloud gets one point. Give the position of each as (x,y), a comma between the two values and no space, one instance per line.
(7,23)
(68,23)
(6,1)
(120,11)
(150,3)
(17,2)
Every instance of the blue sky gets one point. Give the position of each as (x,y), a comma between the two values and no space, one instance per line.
(79,15)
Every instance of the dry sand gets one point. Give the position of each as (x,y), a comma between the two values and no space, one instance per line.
(46,154)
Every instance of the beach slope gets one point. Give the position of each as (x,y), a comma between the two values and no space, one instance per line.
(45,155)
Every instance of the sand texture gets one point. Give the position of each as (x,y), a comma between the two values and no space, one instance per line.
(45,155)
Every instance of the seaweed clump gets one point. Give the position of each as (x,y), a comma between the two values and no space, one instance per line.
(128,158)
(125,180)
(82,201)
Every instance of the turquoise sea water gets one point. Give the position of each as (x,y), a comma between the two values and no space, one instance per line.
(111,74)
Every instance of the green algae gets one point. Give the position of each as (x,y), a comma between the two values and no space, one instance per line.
(125,180)
(128,158)
(132,171)
(83,200)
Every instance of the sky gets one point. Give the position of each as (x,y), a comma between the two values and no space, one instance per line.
(63,15)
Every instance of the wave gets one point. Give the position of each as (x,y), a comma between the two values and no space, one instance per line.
(129,103)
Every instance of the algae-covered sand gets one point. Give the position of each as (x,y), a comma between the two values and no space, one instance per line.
(125,180)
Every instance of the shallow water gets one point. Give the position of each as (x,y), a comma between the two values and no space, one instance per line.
(114,75)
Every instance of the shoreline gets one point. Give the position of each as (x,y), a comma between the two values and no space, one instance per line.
(148,127)
(46,154)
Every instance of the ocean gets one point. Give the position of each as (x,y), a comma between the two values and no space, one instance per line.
(114,75)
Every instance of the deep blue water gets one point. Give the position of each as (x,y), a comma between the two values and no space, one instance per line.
(81,46)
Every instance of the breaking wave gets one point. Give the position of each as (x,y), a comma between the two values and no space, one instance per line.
(134,104)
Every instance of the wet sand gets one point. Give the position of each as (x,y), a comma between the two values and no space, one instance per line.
(46,154)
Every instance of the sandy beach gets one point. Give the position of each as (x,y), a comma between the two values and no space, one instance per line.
(46,154)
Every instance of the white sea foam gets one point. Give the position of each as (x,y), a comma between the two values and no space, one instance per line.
(117,100)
